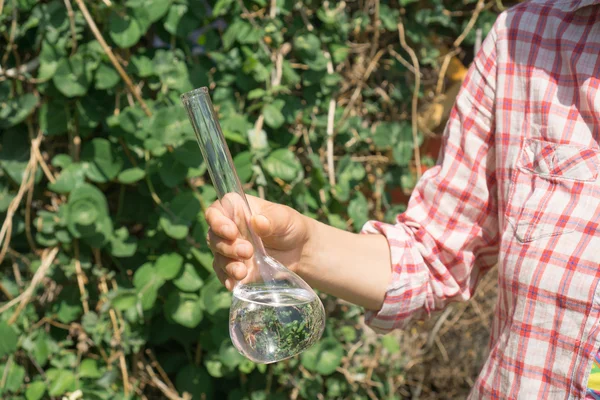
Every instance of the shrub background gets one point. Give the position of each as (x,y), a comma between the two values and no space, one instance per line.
(334,108)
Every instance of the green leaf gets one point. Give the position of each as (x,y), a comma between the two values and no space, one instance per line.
(50,55)
(131,175)
(169,265)
(35,390)
(214,296)
(156,8)
(103,165)
(15,110)
(53,118)
(8,344)
(358,210)
(41,349)
(69,178)
(122,244)
(188,279)
(124,30)
(221,7)
(147,281)
(170,126)
(73,76)
(124,299)
(184,309)
(284,165)
(14,155)
(180,22)
(324,357)
(243,165)
(391,344)
(229,356)
(13,378)
(60,381)
(140,64)
(171,171)
(195,381)
(273,116)
(106,77)
(182,210)
(89,369)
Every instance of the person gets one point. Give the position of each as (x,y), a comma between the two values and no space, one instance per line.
(516,187)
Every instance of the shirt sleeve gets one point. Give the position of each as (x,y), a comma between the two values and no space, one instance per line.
(448,237)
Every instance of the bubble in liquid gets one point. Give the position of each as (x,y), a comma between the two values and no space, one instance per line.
(269,324)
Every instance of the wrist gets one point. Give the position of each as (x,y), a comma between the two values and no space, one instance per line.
(310,249)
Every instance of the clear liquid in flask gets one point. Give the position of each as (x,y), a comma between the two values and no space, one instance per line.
(269,324)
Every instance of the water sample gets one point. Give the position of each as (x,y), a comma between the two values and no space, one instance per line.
(274,314)
(271,324)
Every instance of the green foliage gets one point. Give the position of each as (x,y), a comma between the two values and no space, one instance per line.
(122,188)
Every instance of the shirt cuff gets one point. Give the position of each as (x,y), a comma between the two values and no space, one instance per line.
(408,292)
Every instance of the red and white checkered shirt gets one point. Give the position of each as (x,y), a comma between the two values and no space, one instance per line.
(516,186)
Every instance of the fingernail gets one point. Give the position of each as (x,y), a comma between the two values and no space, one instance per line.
(227,284)
(243,250)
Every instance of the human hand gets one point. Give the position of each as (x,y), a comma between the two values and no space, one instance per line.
(283,230)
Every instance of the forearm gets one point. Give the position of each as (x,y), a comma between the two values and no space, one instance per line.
(353,267)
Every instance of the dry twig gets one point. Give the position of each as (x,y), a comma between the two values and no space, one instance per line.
(28,177)
(111,56)
(415,97)
(24,298)
(72,26)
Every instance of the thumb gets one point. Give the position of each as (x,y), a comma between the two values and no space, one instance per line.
(272,219)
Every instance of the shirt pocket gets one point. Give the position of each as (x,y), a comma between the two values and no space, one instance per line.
(551,189)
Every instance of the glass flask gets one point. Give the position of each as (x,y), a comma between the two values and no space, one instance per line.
(274,314)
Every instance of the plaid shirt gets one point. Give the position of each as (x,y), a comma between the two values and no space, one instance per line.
(516,187)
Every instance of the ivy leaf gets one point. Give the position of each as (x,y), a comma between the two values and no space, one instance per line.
(60,381)
(169,265)
(323,358)
(124,30)
(184,309)
(102,163)
(283,164)
(73,77)
(8,344)
(188,279)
